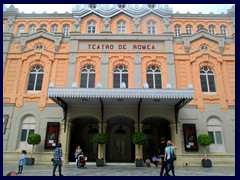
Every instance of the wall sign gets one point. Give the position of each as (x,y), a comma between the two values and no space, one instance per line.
(52,133)
(117,46)
(190,137)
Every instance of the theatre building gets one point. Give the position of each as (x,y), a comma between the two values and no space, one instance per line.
(119,69)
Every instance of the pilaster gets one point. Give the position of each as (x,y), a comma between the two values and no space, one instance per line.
(137,70)
(64,138)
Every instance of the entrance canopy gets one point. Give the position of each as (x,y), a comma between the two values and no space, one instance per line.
(130,96)
(66,97)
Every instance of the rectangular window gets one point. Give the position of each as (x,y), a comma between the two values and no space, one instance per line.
(31,131)
(23,135)
(212,136)
(218,137)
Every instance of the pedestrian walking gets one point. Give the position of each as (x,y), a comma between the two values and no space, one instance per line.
(162,153)
(58,159)
(167,157)
(22,161)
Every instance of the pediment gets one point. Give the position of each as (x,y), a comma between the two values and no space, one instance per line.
(41,33)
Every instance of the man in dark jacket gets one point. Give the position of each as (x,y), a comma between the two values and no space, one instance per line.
(162,152)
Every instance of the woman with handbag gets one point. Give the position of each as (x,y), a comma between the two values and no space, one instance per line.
(167,157)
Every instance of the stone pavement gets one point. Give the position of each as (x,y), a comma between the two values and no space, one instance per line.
(117,170)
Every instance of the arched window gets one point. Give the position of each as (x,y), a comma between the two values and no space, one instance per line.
(54,29)
(177,30)
(189,29)
(120,75)
(43,26)
(27,128)
(214,128)
(32,29)
(154,77)
(66,30)
(200,27)
(91,27)
(121,27)
(20,29)
(223,30)
(87,77)
(207,79)
(151,27)
(212,29)
(35,78)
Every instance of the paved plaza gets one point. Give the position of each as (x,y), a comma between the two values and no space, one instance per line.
(118,170)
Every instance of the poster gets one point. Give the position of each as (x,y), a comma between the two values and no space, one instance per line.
(190,137)
(52,133)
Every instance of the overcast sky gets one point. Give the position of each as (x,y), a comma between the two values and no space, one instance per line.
(181,8)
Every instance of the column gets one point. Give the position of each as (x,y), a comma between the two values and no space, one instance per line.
(137,70)
(138,148)
(170,64)
(64,138)
(72,62)
(104,69)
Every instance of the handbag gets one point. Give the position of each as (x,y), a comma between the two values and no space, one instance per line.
(52,159)
(173,156)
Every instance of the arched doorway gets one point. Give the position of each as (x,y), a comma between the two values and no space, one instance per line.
(120,147)
(155,128)
(82,131)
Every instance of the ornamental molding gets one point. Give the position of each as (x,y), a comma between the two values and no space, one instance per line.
(133,10)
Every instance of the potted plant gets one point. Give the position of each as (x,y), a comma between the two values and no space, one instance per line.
(100,138)
(205,140)
(33,139)
(139,139)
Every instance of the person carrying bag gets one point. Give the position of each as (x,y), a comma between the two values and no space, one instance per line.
(168,157)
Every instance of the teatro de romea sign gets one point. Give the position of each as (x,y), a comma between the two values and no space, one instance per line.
(120,46)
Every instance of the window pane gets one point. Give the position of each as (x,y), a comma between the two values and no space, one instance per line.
(31,131)
(212,136)
(23,135)
(150,80)
(204,83)
(125,79)
(158,81)
(218,137)
(116,79)
(39,82)
(211,83)
(83,83)
(91,80)
(31,82)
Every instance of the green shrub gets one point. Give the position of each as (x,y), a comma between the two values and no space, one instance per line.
(139,138)
(34,139)
(100,138)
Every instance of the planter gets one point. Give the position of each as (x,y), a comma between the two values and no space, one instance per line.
(139,163)
(30,161)
(100,162)
(206,163)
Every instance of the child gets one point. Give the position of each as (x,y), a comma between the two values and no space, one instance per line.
(148,162)
(22,161)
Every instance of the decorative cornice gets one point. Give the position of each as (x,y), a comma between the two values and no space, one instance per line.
(133,10)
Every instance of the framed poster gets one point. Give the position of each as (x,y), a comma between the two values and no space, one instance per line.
(52,133)
(190,137)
